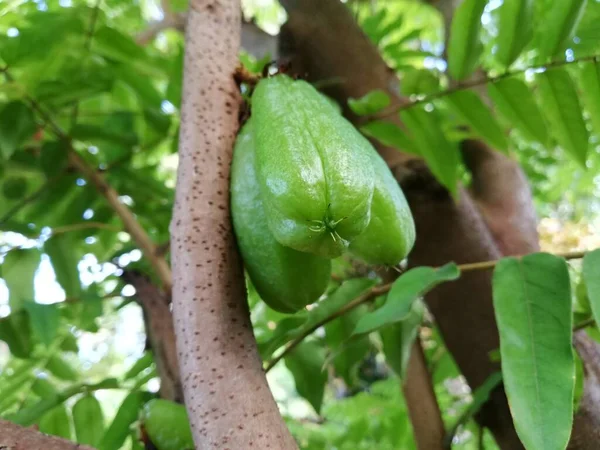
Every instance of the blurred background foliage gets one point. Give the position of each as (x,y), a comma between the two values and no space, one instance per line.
(73,351)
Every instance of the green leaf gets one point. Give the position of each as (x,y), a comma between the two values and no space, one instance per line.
(557,28)
(64,262)
(43,388)
(143,363)
(404,292)
(88,420)
(515,19)
(118,430)
(15,330)
(17,124)
(14,188)
(18,271)
(293,326)
(419,82)
(560,102)
(532,303)
(389,134)
(370,103)
(97,133)
(472,110)
(589,77)
(56,422)
(464,46)
(398,339)
(591,276)
(53,158)
(44,33)
(306,364)
(44,320)
(441,156)
(337,334)
(61,369)
(514,101)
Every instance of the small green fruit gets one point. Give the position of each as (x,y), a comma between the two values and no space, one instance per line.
(167,425)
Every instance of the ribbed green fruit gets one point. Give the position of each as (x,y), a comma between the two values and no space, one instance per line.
(167,425)
(286,279)
(390,235)
(314,168)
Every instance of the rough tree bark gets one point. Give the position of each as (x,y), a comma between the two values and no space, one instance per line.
(160,332)
(14,437)
(327,44)
(226,392)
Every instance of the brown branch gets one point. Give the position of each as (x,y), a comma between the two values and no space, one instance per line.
(469,84)
(376,291)
(15,437)
(130,222)
(84,226)
(160,330)
(226,393)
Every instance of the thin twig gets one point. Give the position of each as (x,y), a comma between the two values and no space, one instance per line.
(84,226)
(383,289)
(130,222)
(474,83)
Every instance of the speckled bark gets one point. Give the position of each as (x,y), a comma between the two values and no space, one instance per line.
(226,393)
(14,437)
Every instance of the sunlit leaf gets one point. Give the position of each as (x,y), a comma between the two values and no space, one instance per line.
(389,134)
(589,76)
(88,420)
(515,20)
(532,302)
(15,330)
(56,422)
(472,110)
(306,364)
(348,353)
(591,276)
(464,46)
(398,339)
(128,412)
(557,27)
(18,271)
(44,320)
(64,261)
(17,124)
(404,292)
(441,156)
(370,103)
(514,100)
(141,364)
(61,369)
(561,106)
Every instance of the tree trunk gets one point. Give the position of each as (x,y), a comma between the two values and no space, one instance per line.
(14,437)
(226,393)
(328,45)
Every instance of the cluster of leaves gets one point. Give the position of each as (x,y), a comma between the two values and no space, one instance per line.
(77,67)
(73,68)
(527,84)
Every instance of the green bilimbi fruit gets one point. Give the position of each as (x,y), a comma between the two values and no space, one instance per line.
(390,235)
(286,279)
(314,168)
(167,425)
